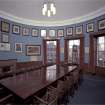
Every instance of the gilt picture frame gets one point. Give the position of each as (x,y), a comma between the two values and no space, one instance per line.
(52,33)
(69,31)
(33,50)
(18,47)
(5,47)
(4,38)
(60,32)
(79,30)
(90,27)
(25,31)
(34,32)
(101,24)
(5,26)
(16,29)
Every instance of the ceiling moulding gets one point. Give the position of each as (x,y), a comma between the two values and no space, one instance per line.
(87,17)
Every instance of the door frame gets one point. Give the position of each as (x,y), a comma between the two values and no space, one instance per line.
(93,68)
(45,50)
(81,50)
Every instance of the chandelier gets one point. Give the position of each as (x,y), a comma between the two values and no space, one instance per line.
(49,8)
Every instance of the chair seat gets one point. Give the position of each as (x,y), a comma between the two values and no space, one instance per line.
(7,100)
(61,88)
(49,98)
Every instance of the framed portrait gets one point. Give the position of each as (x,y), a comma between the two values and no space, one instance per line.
(15,29)
(101,24)
(5,27)
(43,33)
(60,33)
(79,30)
(90,27)
(25,31)
(52,33)
(34,32)
(33,50)
(5,47)
(69,31)
(5,38)
(18,47)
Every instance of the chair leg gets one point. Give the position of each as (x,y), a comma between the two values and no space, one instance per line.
(72,91)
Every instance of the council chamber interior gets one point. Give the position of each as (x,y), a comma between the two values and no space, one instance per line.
(52,52)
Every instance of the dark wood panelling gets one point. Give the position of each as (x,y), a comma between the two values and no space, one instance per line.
(7,65)
(66,51)
(81,52)
(35,64)
(58,52)
(91,55)
(44,52)
(85,68)
(100,71)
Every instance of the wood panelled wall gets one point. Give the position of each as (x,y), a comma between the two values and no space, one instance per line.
(20,65)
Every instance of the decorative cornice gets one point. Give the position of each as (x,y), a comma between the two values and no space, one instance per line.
(54,23)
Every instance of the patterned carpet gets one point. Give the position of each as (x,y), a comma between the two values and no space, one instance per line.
(91,91)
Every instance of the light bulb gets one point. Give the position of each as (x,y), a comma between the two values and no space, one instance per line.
(43,11)
(48,13)
(45,7)
(54,10)
(51,7)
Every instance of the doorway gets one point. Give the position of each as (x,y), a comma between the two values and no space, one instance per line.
(51,51)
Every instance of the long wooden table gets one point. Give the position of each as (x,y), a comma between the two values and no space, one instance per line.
(26,84)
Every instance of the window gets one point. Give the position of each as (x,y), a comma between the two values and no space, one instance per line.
(73,52)
(101,51)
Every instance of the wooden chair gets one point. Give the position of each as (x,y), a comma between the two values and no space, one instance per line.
(60,90)
(75,75)
(49,98)
(70,85)
(1,88)
(7,100)
(5,97)
(76,78)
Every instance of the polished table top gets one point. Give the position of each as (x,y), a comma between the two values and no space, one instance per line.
(28,83)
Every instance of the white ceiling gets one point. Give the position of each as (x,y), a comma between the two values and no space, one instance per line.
(66,9)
